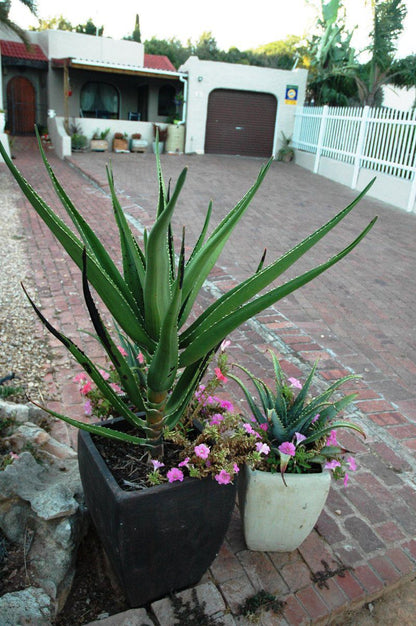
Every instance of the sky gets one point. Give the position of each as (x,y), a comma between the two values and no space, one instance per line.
(229,22)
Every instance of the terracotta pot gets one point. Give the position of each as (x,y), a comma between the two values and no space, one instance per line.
(120,144)
(158,540)
(278,518)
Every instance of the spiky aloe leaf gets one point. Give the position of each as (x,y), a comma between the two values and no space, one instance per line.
(132,256)
(325,431)
(260,417)
(210,337)
(249,288)
(184,390)
(119,306)
(164,364)
(300,399)
(126,375)
(202,263)
(278,428)
(157,296)
(91,241)
(102,431)
(116,402)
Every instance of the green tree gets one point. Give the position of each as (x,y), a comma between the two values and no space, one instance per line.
(172,48)
(330,53)
(206,48)
(5,21)
(136,35)
(89,28)
(53,23)
(388,17)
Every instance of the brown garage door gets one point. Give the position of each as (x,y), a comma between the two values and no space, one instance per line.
(240,122)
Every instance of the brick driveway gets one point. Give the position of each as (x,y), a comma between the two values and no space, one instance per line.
(363,310)
(359,315)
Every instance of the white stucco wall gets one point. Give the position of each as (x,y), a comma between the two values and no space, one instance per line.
(391,189)
(58,44)
(3,137)
(205,76)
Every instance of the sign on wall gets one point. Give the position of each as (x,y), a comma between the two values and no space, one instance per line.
(291,94)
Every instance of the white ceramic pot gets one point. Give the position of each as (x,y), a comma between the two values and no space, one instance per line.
(277,518)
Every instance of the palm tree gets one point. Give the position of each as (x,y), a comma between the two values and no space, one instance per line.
(7,23)
(388,17)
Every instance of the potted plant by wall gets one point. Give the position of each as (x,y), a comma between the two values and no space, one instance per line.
(286,152)
(120,142)
(137,144)
(99,142)
(160,135)
(165,352)
(282,497)
(78,142)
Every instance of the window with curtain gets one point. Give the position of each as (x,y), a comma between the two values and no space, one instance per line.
(99,100)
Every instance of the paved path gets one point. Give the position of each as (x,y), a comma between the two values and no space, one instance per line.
(360,315)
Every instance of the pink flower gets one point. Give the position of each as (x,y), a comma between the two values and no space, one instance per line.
(185,462)
(294,382)
(331,465)
(346,479)
(223,478)
(262,448)
(14,456)
(174,474)
(249,429)
(227,405)
(299,438)
(86,388)
(80,378)
(220,376)
(104,374)
(202,451)
(264,426)
(116,387)
(156,464)
(122,350)
(140,358)
(287,448)
(351,463)
(316,418)
(225,344)
(88,407)
(332,439)
(216,419)
(236,468)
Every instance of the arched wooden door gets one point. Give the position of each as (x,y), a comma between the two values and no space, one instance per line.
(21,108)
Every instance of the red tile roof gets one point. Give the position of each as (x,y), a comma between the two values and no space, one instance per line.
(158,62)
(18,50)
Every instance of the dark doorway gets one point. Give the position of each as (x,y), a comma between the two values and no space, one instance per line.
(21,106)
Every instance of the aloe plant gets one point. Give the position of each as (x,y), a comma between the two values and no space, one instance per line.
(151,300)
(286,417)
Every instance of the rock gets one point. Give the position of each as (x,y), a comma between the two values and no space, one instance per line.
(50,492)
(17,412)
(40,507)
(29,606)
(29,434)
(21,413)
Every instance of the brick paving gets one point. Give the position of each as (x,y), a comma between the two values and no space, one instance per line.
(357,317)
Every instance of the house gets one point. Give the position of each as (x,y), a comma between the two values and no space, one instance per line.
(95,83)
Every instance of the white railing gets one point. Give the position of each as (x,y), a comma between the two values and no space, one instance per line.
(379,139)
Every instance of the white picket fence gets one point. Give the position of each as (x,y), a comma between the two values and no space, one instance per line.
(379,139)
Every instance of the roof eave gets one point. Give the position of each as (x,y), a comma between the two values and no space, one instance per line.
(97,66)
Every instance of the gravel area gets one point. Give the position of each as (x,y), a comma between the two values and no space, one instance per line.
(23,342)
